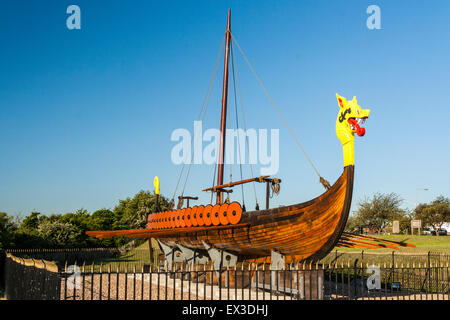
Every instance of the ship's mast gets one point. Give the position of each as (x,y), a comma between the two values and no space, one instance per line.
(223,117)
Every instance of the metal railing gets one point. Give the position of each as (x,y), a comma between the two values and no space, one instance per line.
(394,257)
(117,258)
(28,279)
(369,281)
(35,279)
(201,282)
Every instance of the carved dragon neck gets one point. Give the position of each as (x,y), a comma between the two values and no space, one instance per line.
(348,122)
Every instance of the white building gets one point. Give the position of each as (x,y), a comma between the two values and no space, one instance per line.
(446,226)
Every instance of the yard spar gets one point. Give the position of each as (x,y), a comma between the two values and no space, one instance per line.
(228,233)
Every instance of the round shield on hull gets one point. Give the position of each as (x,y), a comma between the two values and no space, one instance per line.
(200,214)
(194,216)
(215,215)
(207,215)
(188,217)
(223,214)
(182,218)
(234,213)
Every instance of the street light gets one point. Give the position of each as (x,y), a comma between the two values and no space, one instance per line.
(421,189)
(417,189)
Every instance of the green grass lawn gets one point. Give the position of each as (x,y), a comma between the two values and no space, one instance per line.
(423,244)
(137,257)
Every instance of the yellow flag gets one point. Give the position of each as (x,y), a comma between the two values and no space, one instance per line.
(156,184)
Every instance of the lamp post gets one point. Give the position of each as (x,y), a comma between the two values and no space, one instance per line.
(417,190)
(421,189)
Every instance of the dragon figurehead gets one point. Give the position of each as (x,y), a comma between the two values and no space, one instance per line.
(350,116)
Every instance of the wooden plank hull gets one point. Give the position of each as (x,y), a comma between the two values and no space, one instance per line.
(308,230)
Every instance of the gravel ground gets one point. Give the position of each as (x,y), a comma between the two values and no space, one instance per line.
(398,296)
(114,286)
(117,287)
(121,286)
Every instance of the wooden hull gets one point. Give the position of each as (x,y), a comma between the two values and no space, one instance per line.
(308,230)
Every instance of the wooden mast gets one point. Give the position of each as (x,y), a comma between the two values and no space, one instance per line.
(223,117)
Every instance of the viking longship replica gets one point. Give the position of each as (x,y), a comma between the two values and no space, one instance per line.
(227,232)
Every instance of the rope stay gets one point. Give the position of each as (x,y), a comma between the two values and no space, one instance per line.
(323,181)
(214,179)
(237,122)
(202,110)
(245,124)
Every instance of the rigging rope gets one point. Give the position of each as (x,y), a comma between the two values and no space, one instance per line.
(176,187)
(214,180)
(275,186)
(245,127)
(237,124)
(205,106)
(324,182)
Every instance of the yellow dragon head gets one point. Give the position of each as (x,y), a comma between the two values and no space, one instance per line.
(350,116)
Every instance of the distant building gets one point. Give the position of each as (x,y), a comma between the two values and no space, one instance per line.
(446,226)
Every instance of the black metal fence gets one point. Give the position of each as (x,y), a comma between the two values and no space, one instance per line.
(2,272)
(136,257)
(33,279)
(28,279)
(61,256)
(140,257)
(366,281)
(388,258)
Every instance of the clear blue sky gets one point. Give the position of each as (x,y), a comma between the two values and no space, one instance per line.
(86,115)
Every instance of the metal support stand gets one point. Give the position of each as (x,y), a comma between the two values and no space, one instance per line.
(192,256)
(150,252)
(221,259)
(277,263)
(277,260)
(171,254)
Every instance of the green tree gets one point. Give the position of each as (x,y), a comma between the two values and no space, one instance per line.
(26,236)
(69,229)
(59,234)
(80,221)
(103,219)
(132,213)
(79,218)
(30,223)
(352,224)
(405,222)
(434,214)
(7,229)
(378,212)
